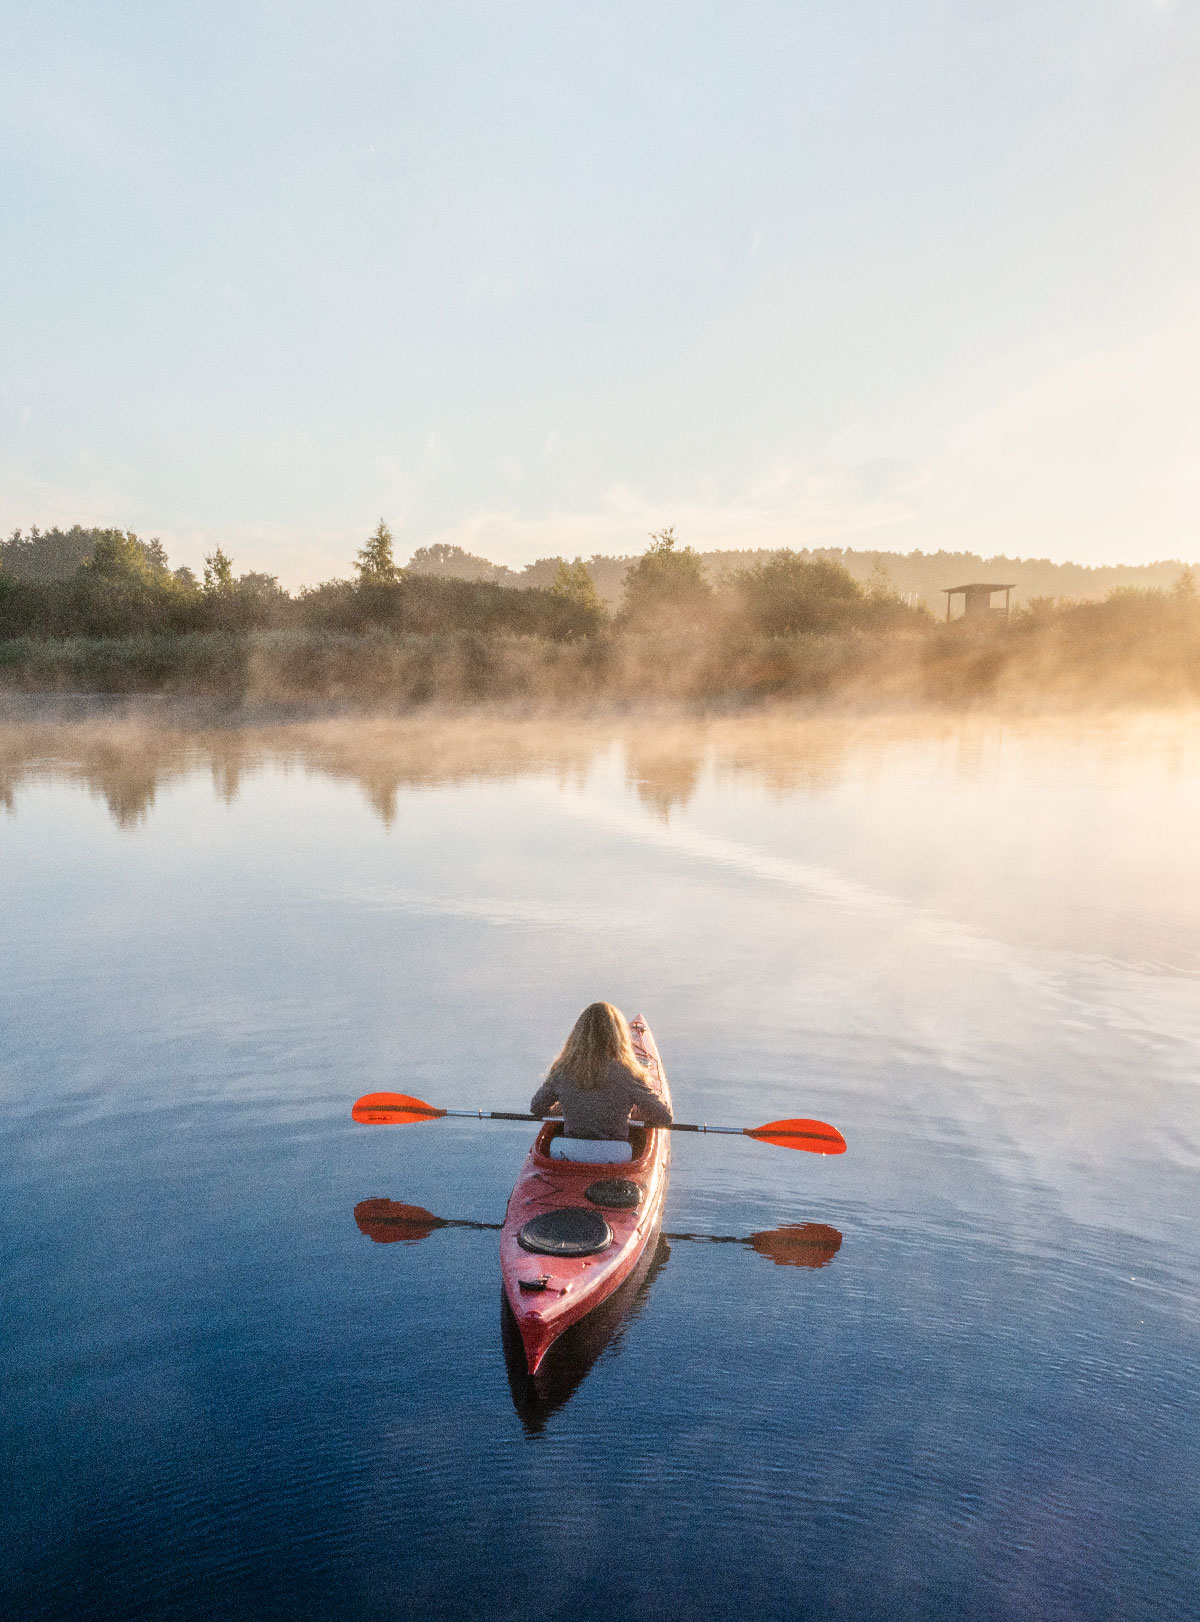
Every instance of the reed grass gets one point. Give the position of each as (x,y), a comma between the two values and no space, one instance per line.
(1136,651)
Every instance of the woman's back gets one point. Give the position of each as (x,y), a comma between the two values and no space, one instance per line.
(600,1112)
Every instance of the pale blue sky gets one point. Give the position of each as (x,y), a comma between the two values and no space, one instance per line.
(539,278)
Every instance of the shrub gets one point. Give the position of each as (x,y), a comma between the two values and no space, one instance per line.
(432,605)
(666,584)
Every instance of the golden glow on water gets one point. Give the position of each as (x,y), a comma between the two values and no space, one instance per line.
(971,944)
(1081,831)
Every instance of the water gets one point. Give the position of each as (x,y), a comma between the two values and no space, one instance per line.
(974,947)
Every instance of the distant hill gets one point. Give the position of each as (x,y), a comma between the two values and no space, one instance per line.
(923,576)
(916,576)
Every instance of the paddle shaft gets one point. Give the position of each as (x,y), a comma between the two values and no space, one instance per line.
(675,1126)
(514,1115)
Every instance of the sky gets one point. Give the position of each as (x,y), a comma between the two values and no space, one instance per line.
(538,279)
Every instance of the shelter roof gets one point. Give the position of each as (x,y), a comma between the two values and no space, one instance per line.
(981,585)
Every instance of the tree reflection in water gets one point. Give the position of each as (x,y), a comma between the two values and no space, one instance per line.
(125,751)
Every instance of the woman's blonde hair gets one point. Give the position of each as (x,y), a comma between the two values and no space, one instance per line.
(600,1037)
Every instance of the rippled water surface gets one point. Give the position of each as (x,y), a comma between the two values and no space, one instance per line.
(974,947)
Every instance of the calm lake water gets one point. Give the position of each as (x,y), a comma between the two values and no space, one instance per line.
(972,946)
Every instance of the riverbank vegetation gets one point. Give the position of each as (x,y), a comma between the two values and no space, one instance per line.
(785,626)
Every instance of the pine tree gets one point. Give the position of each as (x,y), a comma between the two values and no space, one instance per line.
(376,565)
(218,571)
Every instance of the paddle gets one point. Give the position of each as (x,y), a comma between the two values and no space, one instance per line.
(806,1244)
(399,1109)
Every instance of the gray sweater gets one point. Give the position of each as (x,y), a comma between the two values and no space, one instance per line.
(603,1112)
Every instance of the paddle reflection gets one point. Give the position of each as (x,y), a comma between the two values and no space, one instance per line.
(796,1244)
(803,1244)
(389,1221)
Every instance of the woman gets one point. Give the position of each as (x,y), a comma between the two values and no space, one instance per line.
(595,1082)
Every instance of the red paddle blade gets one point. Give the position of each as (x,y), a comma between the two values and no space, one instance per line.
(386,1221)
(800,1244)
(393,1109)
(818,1137)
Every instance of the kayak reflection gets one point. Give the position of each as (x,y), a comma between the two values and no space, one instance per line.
(572,1356)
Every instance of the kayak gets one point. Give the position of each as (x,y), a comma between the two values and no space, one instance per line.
(573,1232)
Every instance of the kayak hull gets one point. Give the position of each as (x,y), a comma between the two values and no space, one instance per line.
(547,1294)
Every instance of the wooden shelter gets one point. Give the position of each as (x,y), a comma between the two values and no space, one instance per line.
(977,599)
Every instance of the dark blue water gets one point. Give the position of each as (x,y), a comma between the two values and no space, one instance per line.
(974,949)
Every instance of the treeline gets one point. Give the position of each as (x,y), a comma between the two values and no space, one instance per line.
(782,625)
(57,554)
(124,586)
(918,578)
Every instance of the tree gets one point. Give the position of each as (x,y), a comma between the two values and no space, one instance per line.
(791,593)
(218,572)
(119,555)
(453,562)
(879,583)
(376,566)
(262,585)
(666,580)
(572,581)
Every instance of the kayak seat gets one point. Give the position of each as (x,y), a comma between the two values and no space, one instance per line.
(570,1231)
(640,1145)
(591,1151)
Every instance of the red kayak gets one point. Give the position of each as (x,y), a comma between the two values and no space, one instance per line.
(573,1233)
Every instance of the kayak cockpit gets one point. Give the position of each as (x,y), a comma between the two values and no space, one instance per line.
(641,1141)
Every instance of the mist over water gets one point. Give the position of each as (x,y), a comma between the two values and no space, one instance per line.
(973,945)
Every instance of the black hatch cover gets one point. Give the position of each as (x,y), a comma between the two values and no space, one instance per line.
(617,1193)
(571,1231)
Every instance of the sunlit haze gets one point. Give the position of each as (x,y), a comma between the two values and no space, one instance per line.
(537,279)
